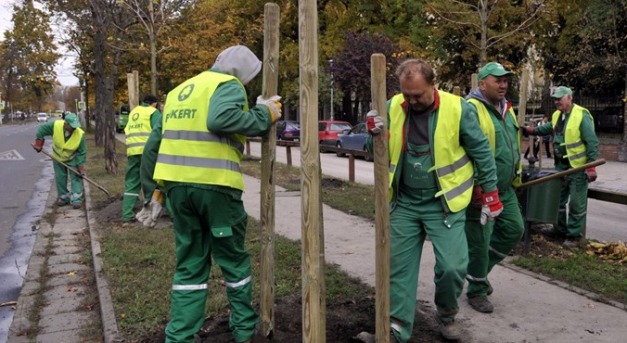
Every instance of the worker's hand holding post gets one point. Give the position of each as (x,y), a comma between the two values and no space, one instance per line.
(374,122)
(491,206)
(274,106)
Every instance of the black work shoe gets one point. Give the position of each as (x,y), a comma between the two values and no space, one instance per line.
(76,205)
(481,304)
(552,232)
(451,330)
(490,290)
(367,337)
(62,202)
(572,243)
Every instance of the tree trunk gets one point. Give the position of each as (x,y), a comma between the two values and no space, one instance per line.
(622,148)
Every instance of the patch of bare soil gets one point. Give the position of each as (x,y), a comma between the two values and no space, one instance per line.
(345,319)
(110,213)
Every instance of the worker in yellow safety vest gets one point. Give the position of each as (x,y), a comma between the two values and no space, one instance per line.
(434,137)
(141,120)
(68,146)
(196,159)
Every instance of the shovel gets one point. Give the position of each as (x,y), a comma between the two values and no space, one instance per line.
(77,173)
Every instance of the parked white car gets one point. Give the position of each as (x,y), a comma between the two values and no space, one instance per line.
(42,117)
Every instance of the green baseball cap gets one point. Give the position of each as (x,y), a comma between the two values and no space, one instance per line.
(72,120)
(493,68)
(561,91)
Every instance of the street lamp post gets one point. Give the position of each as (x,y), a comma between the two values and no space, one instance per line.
(331,67)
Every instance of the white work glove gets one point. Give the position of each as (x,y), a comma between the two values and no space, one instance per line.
(155,207)
(491,206)
(143,214)
(274,106)
(374,122)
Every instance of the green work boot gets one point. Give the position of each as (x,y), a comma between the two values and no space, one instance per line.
(481,304)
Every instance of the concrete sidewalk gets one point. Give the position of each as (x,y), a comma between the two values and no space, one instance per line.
(528,307)
(58,300)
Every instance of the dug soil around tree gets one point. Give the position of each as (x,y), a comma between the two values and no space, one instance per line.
(345,319)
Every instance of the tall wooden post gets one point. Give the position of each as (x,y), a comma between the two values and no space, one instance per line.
(382,215)
(522,103)
(474,83)
(133,89)
(268,157)
(313,314)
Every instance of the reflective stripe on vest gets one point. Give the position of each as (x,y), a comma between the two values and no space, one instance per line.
(138,129)
(575,148)
(65,150)
(487,126)
(453,168)
(189,152)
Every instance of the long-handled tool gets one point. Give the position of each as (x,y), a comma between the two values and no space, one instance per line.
(77,173)
(563,173)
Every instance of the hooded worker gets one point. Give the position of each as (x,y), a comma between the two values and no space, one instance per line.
(196,155)
(68,146)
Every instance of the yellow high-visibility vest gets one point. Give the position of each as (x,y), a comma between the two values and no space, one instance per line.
(138,129)
(487,126)
(575,148)
(189,152)
(64,150)
(453,168)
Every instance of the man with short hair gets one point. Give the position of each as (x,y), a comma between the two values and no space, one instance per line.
(574,144)
(490,241)
(69,147)
(434,137)
(206,120)
(141,120)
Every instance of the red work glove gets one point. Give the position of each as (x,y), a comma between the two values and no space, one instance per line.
(39,144)
(81,170)
(491,206)
(591,173)
(477,196)
(527,130)
(374,122)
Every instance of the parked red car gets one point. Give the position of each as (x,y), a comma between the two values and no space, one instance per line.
(328,130)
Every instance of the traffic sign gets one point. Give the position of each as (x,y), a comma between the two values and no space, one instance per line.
(81,105)
(2,105)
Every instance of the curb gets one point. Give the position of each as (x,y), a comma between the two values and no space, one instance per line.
(107,314)
(508,263)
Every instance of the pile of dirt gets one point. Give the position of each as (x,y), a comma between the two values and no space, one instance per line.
(345,319)
(110,213)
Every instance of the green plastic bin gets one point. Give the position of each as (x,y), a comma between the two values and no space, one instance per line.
(540,203)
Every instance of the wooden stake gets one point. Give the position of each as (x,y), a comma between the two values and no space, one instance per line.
(268,157)
(133,89)
(313,314)
(382,202)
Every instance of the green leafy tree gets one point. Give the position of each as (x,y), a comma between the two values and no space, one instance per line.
(29,57)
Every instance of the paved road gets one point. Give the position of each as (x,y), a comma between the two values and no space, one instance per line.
(25,179)
(605,220)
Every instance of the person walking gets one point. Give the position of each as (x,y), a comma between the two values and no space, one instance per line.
(574,144)
(140,123)
(546,140)
(68,146)
(434,137)
(490,241)
(205,123)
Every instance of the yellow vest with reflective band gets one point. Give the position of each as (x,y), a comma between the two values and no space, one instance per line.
(138,129)
(189,152)
(64,150)
(453,168)
(575,148)
(487,126)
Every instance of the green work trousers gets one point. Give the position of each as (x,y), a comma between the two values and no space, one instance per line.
(209,223)
(574,193)
(132,187)
(409,227)
(489,244)
(76,183)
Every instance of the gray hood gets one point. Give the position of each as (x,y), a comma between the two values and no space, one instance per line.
(238,61)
